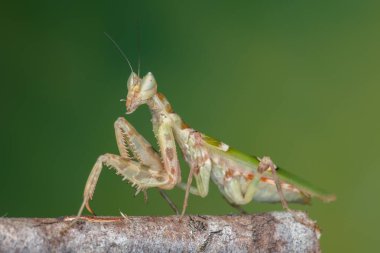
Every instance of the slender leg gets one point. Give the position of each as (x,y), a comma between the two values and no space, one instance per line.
(187,191)
(201,170)
(170,202)
(193,190)
(267,164)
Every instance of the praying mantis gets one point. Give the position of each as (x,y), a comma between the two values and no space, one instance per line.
(240,177)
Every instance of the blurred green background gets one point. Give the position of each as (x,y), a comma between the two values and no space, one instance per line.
(296,80)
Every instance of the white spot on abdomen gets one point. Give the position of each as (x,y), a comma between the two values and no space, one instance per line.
(223,146)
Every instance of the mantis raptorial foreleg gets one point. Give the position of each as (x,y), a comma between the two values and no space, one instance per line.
(146,172)
(168,149)
(128,138)
(141,149)
(130,170)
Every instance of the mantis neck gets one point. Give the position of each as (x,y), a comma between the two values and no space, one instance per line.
(158,106)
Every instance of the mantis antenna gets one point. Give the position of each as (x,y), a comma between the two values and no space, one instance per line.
(138,46)
(121,51)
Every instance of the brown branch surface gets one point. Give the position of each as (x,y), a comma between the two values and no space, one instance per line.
(267,232)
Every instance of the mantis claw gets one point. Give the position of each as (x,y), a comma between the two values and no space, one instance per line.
(90,209)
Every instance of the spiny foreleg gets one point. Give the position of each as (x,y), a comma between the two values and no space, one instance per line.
(128,139)
(148,164)
(139,175)
(168,150)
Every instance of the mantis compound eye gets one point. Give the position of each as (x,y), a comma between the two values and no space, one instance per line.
(148,87)
(148,82)
(132,80)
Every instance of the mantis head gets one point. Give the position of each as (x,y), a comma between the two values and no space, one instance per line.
(140,90)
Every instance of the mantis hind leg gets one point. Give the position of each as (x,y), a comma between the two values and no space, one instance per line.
(139,175)
(267,164)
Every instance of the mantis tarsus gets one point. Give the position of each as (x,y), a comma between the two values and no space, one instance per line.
(240,177)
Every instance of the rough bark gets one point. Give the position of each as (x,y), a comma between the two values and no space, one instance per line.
(267,232)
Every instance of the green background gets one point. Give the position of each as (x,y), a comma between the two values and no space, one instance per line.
(296,80)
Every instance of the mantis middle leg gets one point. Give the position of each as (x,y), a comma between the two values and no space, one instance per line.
(200,168)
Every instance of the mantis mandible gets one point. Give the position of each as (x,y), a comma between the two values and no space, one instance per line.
(240,177)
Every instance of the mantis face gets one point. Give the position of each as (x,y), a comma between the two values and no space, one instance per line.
(140,90)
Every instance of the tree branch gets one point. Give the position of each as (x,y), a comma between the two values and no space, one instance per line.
(266,232)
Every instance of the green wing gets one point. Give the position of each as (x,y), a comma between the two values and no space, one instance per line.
(305,186)
(253,162)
